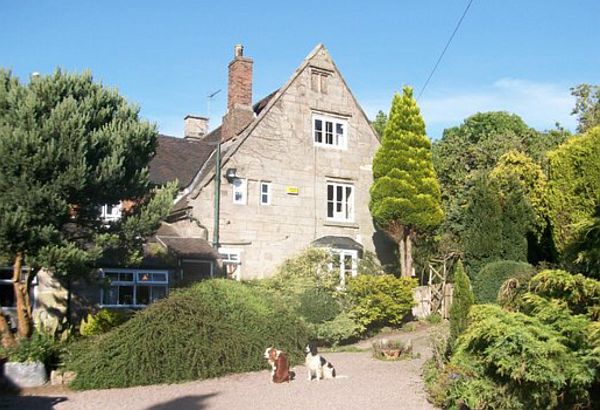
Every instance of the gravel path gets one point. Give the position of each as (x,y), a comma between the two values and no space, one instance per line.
(367,384)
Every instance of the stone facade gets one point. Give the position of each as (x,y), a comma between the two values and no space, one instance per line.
(279,148)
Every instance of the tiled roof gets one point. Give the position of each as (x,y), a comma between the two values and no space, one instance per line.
(193,248)
(180,158)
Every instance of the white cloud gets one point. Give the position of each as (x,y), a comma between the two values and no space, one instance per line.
(540,105)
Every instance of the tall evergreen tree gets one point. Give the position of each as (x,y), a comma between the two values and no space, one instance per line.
(405,195)
(462,300)
(68,146)
(379,123)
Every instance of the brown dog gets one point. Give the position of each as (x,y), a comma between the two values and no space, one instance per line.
(280,371)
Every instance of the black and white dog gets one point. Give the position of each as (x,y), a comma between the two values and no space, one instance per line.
(317,365)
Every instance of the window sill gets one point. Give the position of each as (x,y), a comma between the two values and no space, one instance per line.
(351,225)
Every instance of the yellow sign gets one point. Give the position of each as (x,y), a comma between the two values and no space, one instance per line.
(292,190)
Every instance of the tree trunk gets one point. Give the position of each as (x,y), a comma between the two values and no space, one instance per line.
(21,297)
(7,338)
(409,259)
(402,252)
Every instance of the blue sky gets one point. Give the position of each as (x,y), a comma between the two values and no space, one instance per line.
(518,56)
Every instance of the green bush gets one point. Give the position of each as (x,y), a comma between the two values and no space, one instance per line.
(317,306)
(211,329)
(37,348)
(380,300)
(489,279)
(462,299)
(343,328)
(102,322)
(526,356)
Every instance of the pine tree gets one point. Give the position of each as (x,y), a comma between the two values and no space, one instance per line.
(462,299)
(68,146)
(405,195)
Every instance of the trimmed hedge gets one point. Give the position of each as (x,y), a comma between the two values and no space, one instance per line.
(488,281)
(214,328)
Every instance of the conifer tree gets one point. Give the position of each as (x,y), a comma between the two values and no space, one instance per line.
(405,195)
(462,299)
(68,146)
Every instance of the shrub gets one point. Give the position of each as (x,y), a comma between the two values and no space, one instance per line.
(489,279)
(342,328)
(211,329)
(102,322)
(37,348)
(317,306)
(380,300)
(462,299)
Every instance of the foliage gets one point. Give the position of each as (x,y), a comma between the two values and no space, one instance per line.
(475,147)
(584,250)
(380,300)
(515,168)
(341,329)
(490,278)
(462,299)
(574,186)
(405,195)
(38,348)
(68,146)
(214,328)
(102,322)
(369,264)
(318,306)
(379,123)
(581,294)
(496,226)
(587,106)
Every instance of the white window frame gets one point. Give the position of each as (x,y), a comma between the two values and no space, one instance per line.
(338,140)
(341,254)
(137,281)
(232,257)
(110,213)
(242,189)
(346,214)
(267,194)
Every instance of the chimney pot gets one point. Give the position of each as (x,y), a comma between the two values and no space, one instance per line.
(238,51)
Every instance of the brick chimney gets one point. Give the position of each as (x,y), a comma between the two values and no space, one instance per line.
(239,95)
(195,128)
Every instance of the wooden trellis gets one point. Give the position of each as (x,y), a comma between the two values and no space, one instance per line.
(441,293)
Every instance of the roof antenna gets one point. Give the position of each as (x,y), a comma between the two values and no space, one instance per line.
(209,99)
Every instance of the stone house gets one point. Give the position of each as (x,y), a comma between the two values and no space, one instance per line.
(295,171)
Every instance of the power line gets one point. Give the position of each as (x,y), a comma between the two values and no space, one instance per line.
(445,48)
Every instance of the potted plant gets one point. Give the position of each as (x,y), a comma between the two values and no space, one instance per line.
(26,362)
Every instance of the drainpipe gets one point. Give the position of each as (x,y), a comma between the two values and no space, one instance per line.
(217,195)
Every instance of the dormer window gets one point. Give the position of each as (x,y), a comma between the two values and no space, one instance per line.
(330,132)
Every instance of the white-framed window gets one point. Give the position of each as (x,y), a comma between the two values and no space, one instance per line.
(340,202)
(232,261)
(133,287)
(330,131)
(240,191)
(347,261)
(110,213)
(265,193)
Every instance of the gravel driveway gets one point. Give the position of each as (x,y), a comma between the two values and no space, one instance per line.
(367,384)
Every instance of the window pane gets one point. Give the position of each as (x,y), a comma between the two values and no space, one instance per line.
(159,277)
(330,192)
(339,134)
(111,296)
(125,295)
(339,193)
(126,276)
(113,276)
(318,131)
(144,277)
(143,295)
(330,209)
(7,295)
(328,132)
(158,292)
